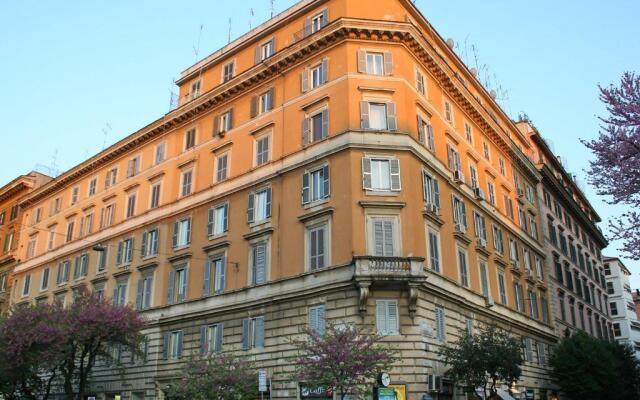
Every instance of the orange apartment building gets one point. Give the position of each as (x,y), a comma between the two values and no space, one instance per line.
(336,164)
(11,220)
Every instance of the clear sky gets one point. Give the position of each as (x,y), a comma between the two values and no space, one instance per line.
(72,70)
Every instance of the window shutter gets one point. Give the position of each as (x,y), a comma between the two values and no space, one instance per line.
(362,61)
(273,44)
(325,123)
(306,131)
(259,328)
(220,274)
(307,27)
(185,284)
(210,221)
(154,243)
(231,118)
(421,130)
(325,70)
(147,292)
(143,246)
(260,263)
(175,234)
(165,345)
(326,188)
(219,337)
(392,121)
(313,318)
(463,210)
(378,237)
(325,17)
(320,320)
(268,205)
(245,333)
(189,230)
(364,115)
(225,221)
(254,106)
(59,274)
(250,208)
(388,63)
(425,183)
(139,293)
(450,160)
(272,98)
(171,286)
(203,340)
(381,317)
(114,298)
(392,317)
(394,168)
(388,238)
(130,251)
(419,82)
(366,173)
(304,80)
(180,339)
(207,278)
(216,124)
(119,256)
(258,54)
(436,192)
(431,137)
(305,188)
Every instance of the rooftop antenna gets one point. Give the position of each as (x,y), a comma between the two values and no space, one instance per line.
(251,14)
(54,159)
(229,38)
(196,49)
(105,132)
(273,7)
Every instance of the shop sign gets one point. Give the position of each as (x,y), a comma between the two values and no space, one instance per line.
(386,393)
(315,392)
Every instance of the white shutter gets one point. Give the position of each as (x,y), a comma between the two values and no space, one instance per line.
(392,317)
(381,317)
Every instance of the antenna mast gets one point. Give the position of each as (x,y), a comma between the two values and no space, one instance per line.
(273,7)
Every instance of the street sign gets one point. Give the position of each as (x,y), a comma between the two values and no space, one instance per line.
(262,380)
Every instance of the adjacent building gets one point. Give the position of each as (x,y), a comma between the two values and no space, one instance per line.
(11,222)
(336,164)
(626,327)
(574,244)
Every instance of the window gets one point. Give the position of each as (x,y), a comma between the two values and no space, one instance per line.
(172,345)
(420,86)
(315,127)
(425,133)
(430,190)
(265,102)
(222,167)
(434,249)
(528,349)
(378,116)
(186,183)
(51,238)
(384,241)
(111,177)
(319,21)
(317,319)
(387,317)
(381,174)
(517,292)
(502,288)
(508,206)
(539,267)
(262,150)
(614,308)
(144,291)
(214,274)
(473,173)
(317,246)
(120,293)
(228,71)
(2,217)
(102,260)
(125,252)
(498,243)
(375,63)
(149,245)
(468,133)
(527,259)
(484,278)
(3,282)
(486,151)
(8,241)
(182,232)
(459,214)
(80,268)
(133,166)
(610,289)
(259,206)
(315,76)
(86,225)
(69,235)
(63,272)
(31,246)
(259,262)
(315,185)
(131,205)
(513,251)
(211,338)
(44,281)
(107,214)
(463,268)
(224,122)
(253,333)
(218,219)
(154,200)
(480,228)
(533,304)
(26,285)
(177,290)
(195,89)
(14,212)
(503,169)
(60,298)
(453,160)
(190,138)
(160,153)
(448,112)
(266,50)
(440,324)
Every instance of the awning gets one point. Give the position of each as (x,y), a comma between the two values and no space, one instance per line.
(503,394)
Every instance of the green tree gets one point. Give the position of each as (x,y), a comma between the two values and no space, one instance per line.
(485,359)
(590,369)
(215,377)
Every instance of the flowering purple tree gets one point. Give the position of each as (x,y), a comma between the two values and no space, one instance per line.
(216,376)
(342,359)
(615,172)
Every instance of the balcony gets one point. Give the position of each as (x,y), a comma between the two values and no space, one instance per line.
(401,273)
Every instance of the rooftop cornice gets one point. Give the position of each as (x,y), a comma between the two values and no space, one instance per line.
(11,189)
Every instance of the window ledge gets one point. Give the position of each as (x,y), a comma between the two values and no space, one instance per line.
(382,204)
(382,193)
(257,233)
(218,236)
(316,203)
(315,214)
(149,257)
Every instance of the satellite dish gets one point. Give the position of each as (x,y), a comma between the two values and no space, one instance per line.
(493,94)
(450,43)
(474,72)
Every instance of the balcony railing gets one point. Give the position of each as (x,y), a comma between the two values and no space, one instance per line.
(389,266)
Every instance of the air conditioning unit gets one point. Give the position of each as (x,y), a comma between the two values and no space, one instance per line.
(435,383)
(482,242)
(460,228)
(489,301)
(432,208)
(458,176)
(478,193)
